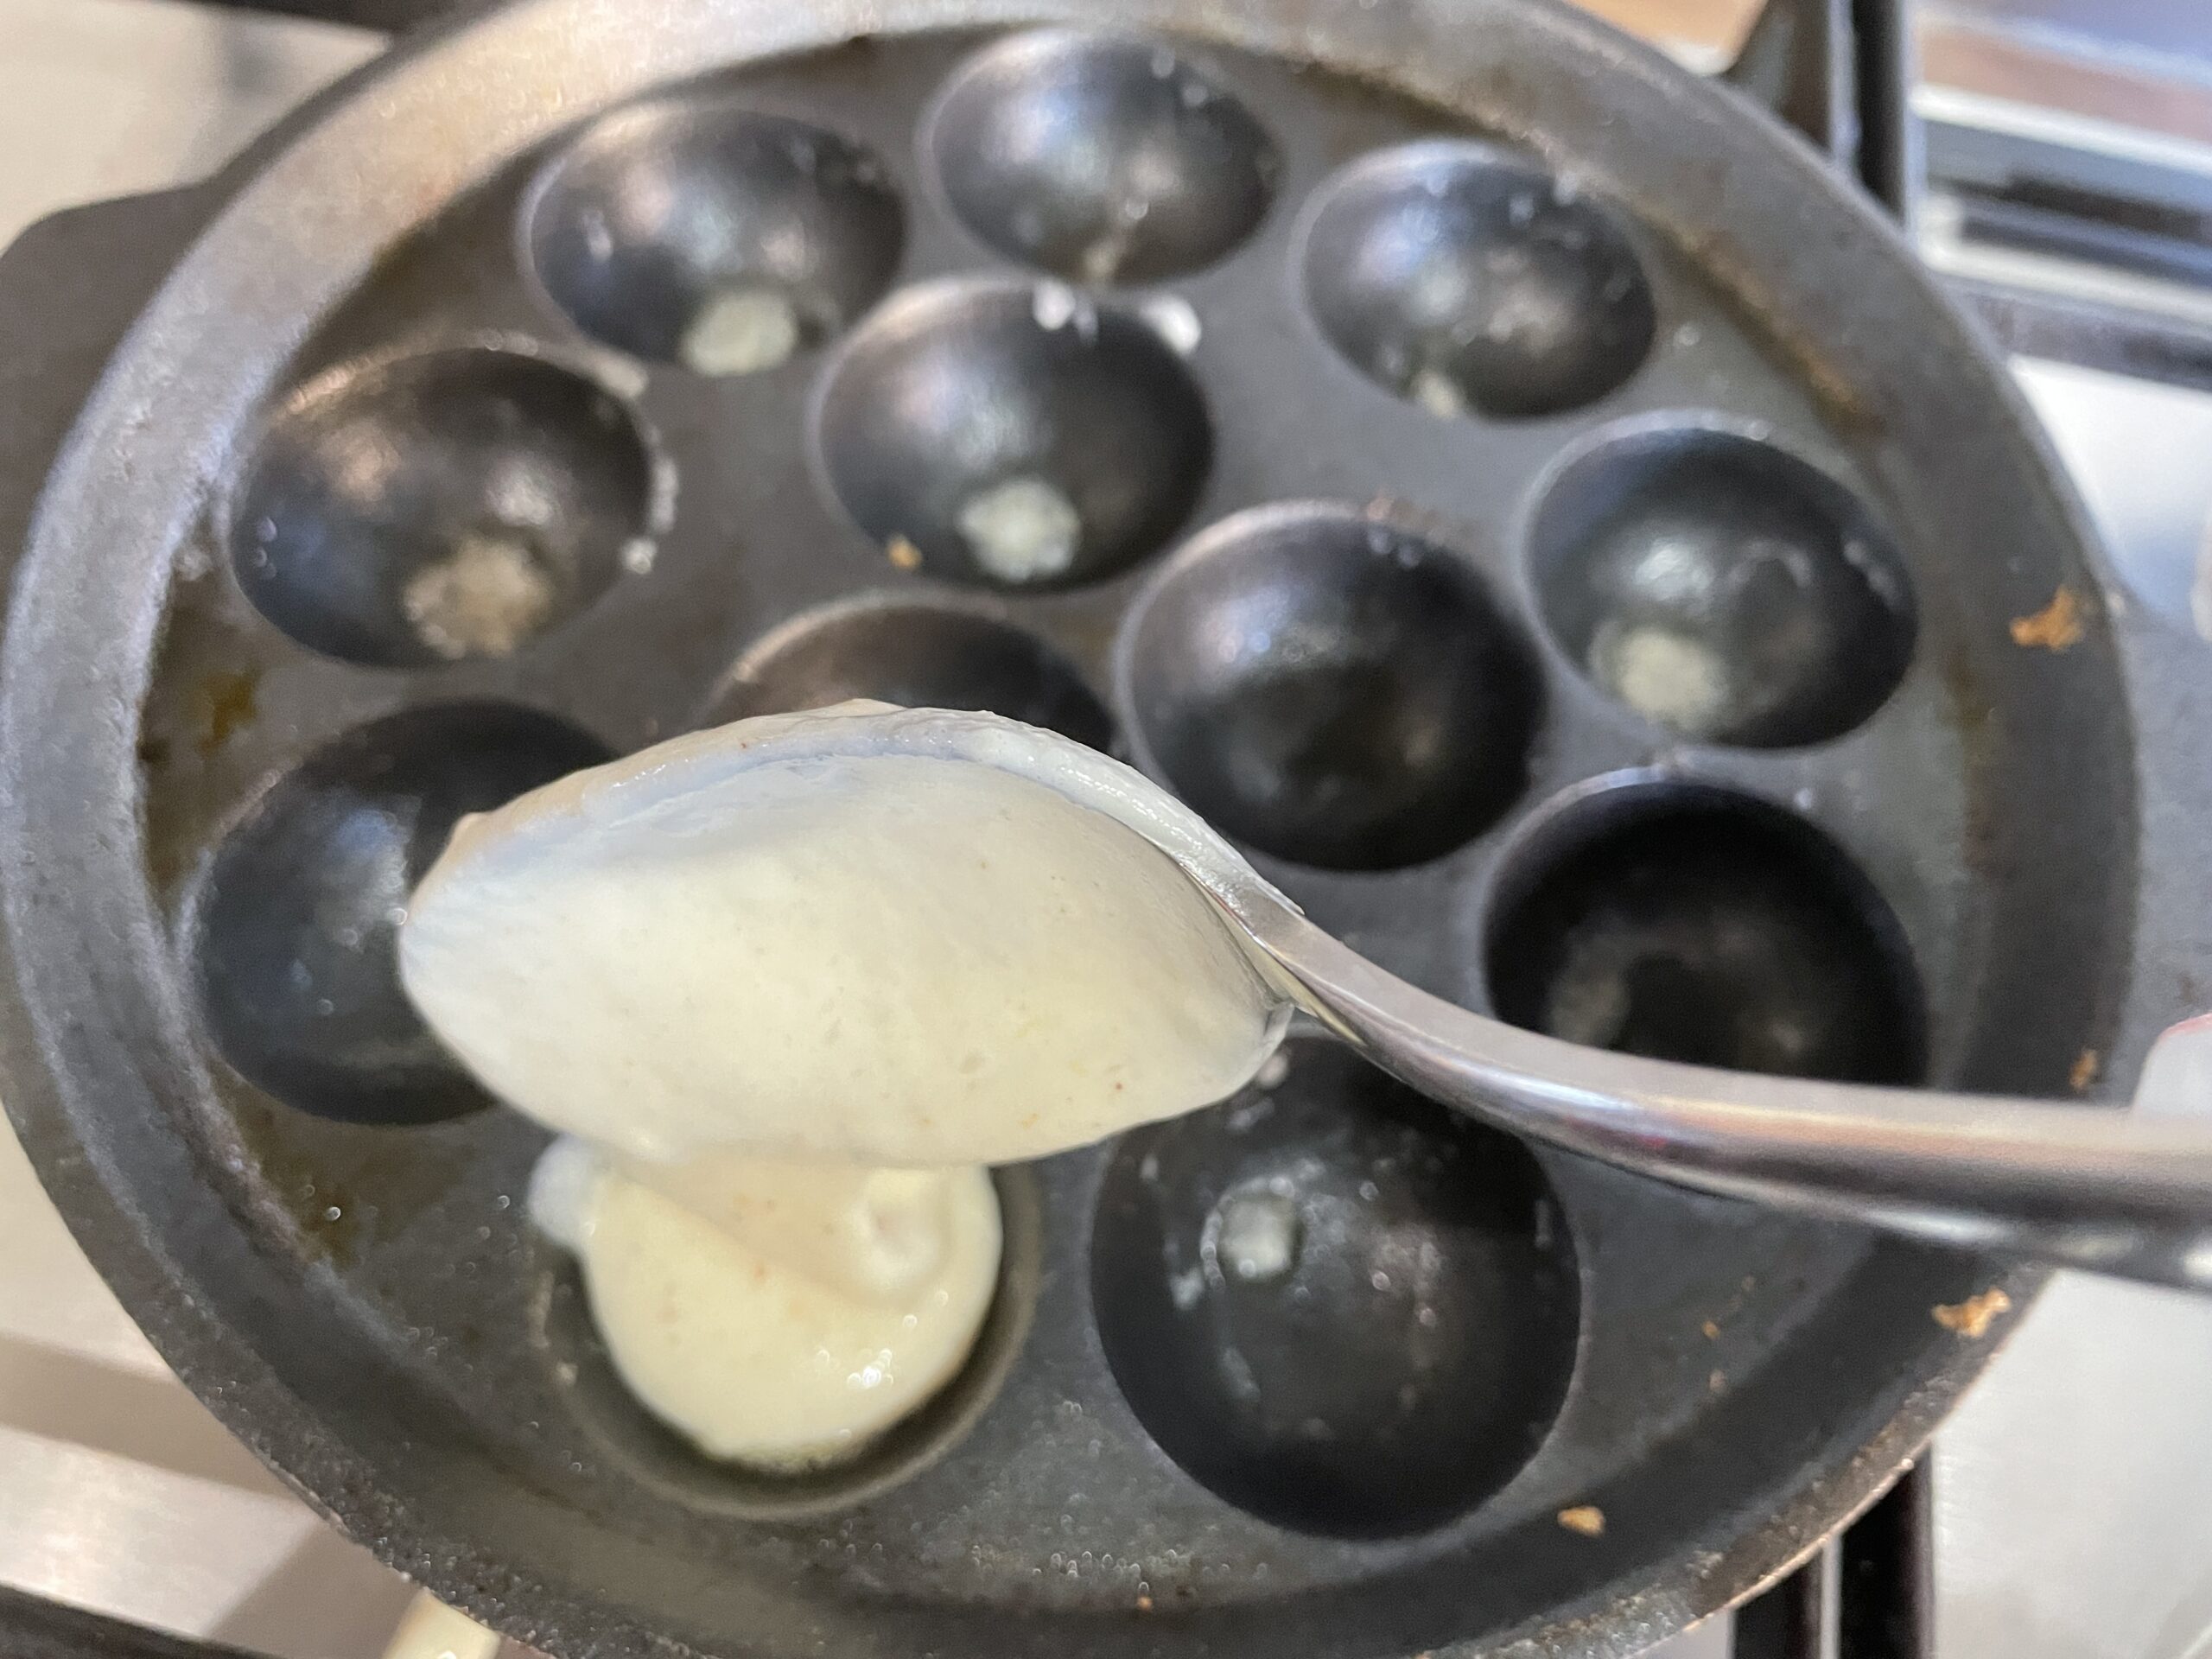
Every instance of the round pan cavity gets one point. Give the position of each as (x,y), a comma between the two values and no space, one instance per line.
(1331,687)
(1688,922)
(1102,159)
(916,654)
(695,230)
(295,929)
(1012,437)
(453,504)
(587,1380)
(1335,1305)
(1463,277)
(1722,587)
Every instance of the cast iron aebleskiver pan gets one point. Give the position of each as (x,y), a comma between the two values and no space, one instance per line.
(359,1299)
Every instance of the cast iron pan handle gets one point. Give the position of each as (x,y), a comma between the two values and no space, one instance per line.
(32,1629)
(69,287)
(1841,73)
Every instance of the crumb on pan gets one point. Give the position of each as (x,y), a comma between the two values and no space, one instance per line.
(2058,626)
(1585,1518)
(2085,1070)
(1663,673)
(1438,393)
(741,330)
(1021,530)
(1972,1317)
(903,554)
(488,594)
(227,705)
(1711,1328)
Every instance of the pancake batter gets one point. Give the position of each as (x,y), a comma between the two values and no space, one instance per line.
(788,983)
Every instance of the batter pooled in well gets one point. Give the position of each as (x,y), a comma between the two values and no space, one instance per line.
(781,1317)
(883,940)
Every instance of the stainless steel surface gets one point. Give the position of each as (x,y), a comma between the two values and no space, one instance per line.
(2073,1490)
(125,1497)
(2140,451)
(2076,239)
(2168,33)
(2072,1486)
(2124,1193)
(2108,204)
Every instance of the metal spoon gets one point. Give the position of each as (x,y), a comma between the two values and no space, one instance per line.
(2125,1193)
(2115,1192)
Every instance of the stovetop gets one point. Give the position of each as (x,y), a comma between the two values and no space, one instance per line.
(2071,1495)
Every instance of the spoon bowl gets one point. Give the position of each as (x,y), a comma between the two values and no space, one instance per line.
(2124,1193)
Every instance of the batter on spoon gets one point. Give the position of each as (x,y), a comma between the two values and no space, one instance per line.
(854,941)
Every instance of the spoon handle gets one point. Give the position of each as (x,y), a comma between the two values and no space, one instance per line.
(2120,1192)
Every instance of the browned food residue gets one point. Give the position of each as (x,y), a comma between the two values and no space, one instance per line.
(2058,626)
(2085,1070)
(483,596)
(1144,1604)
(227,707)
(903,554)
(1585,1518)
(1974,1316)
(1729,1309)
